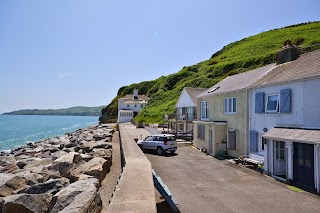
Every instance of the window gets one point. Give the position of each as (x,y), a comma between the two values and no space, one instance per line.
(230,105)
(141,105)
(135,105)
(204,110)
(201,132)
(127,105)
(272,103)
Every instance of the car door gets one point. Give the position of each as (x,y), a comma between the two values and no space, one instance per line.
(146,143)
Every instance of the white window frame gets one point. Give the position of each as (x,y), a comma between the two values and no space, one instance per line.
(267,102)
(229,107)
(204,110)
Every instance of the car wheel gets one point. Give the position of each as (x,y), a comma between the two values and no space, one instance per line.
(159,150)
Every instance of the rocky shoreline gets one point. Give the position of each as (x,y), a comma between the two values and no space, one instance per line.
(61,174)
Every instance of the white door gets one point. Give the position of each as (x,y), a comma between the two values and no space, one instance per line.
(279,159)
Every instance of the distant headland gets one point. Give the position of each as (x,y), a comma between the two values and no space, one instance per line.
(72,111)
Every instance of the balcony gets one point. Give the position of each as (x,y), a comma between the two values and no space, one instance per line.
(181,117)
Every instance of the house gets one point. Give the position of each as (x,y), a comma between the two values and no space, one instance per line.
(223,123)
(186,109)
(130,105)
(285,118)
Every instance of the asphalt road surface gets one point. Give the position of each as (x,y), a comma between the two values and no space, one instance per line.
(202,184)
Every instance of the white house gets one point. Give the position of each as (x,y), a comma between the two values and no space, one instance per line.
(130,105)
(285,119)
(186,109)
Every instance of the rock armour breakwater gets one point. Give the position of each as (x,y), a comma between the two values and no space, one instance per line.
(61,174)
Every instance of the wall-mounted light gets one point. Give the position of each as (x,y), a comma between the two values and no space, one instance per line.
(265,129)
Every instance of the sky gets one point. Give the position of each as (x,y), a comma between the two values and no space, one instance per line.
(57,53)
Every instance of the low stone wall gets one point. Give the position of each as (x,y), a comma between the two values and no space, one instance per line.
(135,191)
(61,174)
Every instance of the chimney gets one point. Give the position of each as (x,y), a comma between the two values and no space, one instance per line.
(135,94)
(288,53)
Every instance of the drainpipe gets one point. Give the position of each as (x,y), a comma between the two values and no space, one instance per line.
(246,123)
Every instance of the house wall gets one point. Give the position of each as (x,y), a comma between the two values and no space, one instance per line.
(259,121)
(311,103)
(184,100)
(198,143)
(238,121)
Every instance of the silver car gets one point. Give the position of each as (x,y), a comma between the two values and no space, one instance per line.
(159,142)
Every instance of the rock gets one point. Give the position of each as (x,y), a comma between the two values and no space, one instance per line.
(10,168)
(78,197)
(86,157)
(97,167)
(22,163)
(51,186)
(70,145)
(104,153)
(65,162)
(26,203)
(15,183)
(6,160)
(58,154)
(38,166)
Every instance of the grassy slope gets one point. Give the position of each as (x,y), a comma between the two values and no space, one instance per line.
(75,111)
(246,54)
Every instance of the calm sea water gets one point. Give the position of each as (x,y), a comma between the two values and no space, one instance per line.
(17,130)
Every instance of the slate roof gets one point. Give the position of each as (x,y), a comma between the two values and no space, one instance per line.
(194,92)
(306,66)
(237,82)
(130,97)
(296,135)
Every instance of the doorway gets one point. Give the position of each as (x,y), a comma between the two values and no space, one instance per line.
(279,160)
(210,142)
(303,169)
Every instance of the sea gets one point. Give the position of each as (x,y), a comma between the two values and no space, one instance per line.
(17,130)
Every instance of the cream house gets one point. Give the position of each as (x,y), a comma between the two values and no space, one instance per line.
(130,105)
(222,123)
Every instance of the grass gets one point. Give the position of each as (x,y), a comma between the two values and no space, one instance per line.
(296,189)
(240,56)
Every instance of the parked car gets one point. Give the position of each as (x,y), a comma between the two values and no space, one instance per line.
(159,142)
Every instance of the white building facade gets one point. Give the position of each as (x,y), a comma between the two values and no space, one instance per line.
(284,119)
(130,105)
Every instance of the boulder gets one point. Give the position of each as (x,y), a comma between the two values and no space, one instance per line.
(51,186)
(64,163)
(26,203)
(25,161)
(38,166)
(9,168)
(58,154)
(97,167)
(12,185)
(79,197)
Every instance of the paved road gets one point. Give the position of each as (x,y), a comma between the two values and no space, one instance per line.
(204,184)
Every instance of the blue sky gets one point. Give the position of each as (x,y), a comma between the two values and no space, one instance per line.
(56,54)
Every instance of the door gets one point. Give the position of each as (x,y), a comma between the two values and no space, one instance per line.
(279,159)
(210,141)
(304,165)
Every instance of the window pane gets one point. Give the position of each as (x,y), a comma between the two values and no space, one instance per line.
(230,105)
(281,154)
(225,105)
(272,104)
(234,105)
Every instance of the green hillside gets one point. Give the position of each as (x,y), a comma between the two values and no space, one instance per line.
(240,56)
(74,111)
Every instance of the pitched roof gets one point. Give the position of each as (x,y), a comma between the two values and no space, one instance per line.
(194,92)
(237,82)
(306,66)
(130,97)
